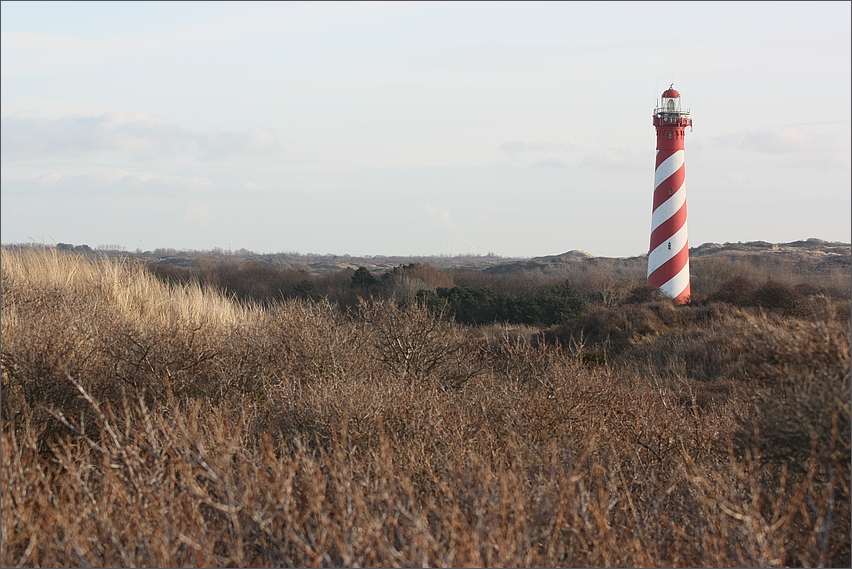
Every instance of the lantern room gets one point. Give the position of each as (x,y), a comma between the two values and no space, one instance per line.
(670,102)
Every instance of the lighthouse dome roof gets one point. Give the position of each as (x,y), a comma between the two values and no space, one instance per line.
(671,94)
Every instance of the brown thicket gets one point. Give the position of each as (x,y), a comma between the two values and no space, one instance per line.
(154,424)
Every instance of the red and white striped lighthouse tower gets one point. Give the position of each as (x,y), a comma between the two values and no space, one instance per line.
(668,257)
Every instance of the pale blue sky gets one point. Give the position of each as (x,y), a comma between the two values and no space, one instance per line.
(521,129)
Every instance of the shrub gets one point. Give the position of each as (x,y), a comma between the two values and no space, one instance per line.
(778,296)
(644,293)
(563,304)
(418,346)
(363,279)
(738,290)
(473,306)
(805,369)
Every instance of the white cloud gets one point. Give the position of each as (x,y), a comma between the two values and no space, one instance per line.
(518,146)
(543,153)
(615,159)
(439,217)
(107,181)
(772,140)
(448,229)
(780,140)
(33,51)
(549,163)
(789,146)
(54,107)
(139,136)
(732,181)
(251,142)
(199,214)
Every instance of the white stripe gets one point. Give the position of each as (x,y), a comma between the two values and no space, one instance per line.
(669,166)
(678,283)
(662,253)
(668,208)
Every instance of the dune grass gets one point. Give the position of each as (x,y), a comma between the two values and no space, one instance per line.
(147,424)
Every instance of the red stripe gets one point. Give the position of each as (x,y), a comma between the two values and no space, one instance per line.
(675,182)
(668,270)
(668,228)
(683,297)
(662,155)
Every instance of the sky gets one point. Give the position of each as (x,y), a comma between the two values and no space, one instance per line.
(418,128)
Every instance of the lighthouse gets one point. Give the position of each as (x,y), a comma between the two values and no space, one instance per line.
(668,256)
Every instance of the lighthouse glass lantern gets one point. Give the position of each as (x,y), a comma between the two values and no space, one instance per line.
(670,102)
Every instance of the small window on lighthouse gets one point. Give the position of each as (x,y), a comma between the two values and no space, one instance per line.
(670,245)
(670,191)
(670,134)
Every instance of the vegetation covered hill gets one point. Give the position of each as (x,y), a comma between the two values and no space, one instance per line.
(233,412)
(829,253)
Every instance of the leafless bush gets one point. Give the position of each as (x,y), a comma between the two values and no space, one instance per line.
(805,372)
(418,345)
(605,286)
(708,274)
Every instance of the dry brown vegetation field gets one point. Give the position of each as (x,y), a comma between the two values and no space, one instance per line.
(147,423)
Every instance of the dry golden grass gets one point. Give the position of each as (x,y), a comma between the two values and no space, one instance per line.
(149,425)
